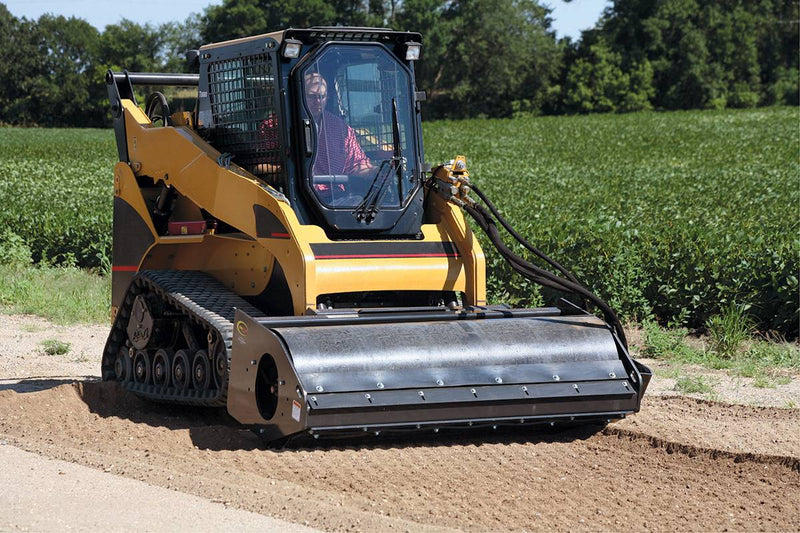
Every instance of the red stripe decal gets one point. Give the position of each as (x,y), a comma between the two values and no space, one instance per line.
(380,256)
(279,235)
(120,268)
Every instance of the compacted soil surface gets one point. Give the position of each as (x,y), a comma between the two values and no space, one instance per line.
(680,464)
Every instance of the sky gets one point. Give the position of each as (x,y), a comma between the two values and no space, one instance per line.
(568,18)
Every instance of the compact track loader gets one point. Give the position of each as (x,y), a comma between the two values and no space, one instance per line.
(283,250)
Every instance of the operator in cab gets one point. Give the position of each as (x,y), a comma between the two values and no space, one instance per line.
(340,164)
(338,149)
(339,155)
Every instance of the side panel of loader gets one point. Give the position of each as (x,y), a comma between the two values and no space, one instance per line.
(312,263)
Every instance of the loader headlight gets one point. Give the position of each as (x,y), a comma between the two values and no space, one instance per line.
(291,48)
(412,51)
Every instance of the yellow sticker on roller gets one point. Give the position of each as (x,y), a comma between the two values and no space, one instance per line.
(296,410)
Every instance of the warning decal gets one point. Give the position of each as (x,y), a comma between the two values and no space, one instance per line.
(296,410)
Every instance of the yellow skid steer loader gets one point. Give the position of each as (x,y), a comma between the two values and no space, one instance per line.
(283,250)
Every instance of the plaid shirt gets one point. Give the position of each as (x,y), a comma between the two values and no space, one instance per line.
(338,150)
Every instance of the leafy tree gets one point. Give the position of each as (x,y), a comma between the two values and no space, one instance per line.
(778,42)
(242,18)
(508,55)
(640,88)
(709,54)
(131,46)
(177,39)
(480,57)
(302,14)
(596,80)
(233,19)
(62,91)
(438,24)
(18,63)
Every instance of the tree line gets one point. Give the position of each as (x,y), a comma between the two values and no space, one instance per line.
(480,57)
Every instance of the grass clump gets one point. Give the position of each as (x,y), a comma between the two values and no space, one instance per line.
(761,360)
(730,345)
(774,352)
(55,347)
(766,381)
(661,343)
(694,385)
(728,330)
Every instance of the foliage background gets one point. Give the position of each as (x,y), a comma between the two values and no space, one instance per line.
(673,216)
(480,57)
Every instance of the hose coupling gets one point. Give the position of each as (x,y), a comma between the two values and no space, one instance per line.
(451,181)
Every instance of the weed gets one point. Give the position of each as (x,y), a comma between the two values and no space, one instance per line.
(670,344)
(13,250)
(661,343)
(728,330)
(748,368)
(761,358)
(694,385)
(82,358)
(762,381)
(775,353)
(673,371)
(55,347)
(768,379)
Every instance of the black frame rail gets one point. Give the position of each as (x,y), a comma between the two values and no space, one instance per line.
(120,86)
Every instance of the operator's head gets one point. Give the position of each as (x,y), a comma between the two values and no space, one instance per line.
(316,93)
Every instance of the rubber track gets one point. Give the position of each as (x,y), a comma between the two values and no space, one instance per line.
(205,301)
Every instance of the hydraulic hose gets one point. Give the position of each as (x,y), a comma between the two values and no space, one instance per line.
(532,272)
(541,255)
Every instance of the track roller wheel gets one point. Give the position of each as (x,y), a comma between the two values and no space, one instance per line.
(122,365)
(220,367)
(182,370)
(141,367)
(162,365)
(201,371)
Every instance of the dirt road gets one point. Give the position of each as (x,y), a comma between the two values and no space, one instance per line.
(680,463)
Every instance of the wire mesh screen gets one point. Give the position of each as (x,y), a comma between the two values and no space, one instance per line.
(244,107)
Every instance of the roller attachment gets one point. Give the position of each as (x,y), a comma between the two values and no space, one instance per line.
(402,371)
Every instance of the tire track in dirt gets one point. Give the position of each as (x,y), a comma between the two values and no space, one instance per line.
(711,453)
(713,425)
(653,474)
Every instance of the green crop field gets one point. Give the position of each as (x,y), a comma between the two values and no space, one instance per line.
(56,192)
(667,215)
